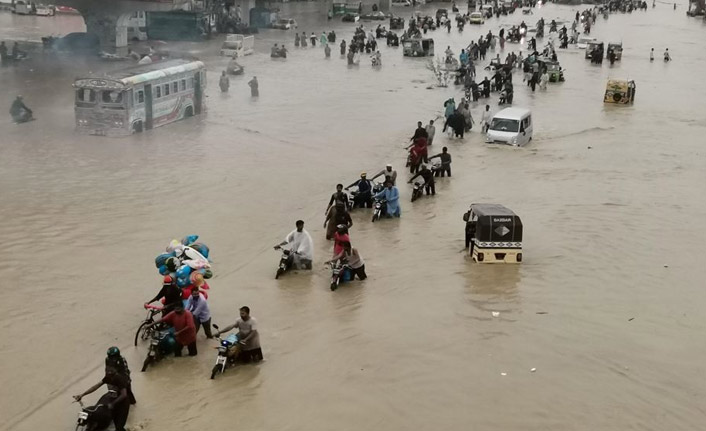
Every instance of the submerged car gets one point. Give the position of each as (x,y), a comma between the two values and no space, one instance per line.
(418,47)
(237,45)
(374,16)
(511,126)
(45,10)
(285,24)
(350,17)
(583,42)
(476,18)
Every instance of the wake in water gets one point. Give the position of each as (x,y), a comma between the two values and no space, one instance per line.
(588,131)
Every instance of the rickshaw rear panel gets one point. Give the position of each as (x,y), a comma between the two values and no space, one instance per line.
(498,234)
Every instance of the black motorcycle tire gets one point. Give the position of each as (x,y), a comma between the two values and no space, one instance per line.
(280,271)
(216,369)
(334,285)
(148,361)
(375,217)
(142,330)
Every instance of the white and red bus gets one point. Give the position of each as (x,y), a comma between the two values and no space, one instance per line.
(140,98)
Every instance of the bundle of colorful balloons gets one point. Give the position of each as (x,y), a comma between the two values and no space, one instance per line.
(186,261)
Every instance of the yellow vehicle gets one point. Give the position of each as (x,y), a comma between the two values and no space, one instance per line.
(619,91)
(493,234)
(418,47)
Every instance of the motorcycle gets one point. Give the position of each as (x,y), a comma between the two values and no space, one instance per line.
(379,209)
(98,416)
(161,344)
(283,263)
(337,271)
(143,333)
(353,202)
(417,191)
(223,360)
(351,199)
(436,167)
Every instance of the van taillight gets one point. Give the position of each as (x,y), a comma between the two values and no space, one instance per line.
(480,257)
(519,257)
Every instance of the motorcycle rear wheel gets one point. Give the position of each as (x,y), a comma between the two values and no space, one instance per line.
(280,271)
(148,361)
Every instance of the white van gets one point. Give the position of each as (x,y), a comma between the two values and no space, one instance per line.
(22,8)
(511,126)
(238,44)
(137,26)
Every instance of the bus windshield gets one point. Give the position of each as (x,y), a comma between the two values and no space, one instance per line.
(505,125)
(112,99)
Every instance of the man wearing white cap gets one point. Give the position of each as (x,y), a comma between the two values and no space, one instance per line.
(390,174)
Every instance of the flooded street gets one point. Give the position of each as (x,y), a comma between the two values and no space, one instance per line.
(607,305)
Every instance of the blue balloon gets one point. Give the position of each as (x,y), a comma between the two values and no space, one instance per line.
(189,239)
(162,259)
(163,270)
(183,281)
(184,271)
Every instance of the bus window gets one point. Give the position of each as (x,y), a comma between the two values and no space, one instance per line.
(183,85)
(85,96)
(158,92)
(166,89)
(141,96)
(112,99)
(175,87)
(191,82)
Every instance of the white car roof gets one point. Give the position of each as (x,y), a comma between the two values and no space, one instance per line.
(513,113)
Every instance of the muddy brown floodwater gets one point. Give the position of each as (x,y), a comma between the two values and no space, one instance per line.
(607,306)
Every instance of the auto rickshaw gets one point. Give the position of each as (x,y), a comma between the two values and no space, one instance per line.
(616,48)
(493,234)
(396,23)
(619,91)
(591,47)
(418,47)
(554,70)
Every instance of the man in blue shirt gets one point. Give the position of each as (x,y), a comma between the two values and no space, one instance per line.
(198,307)
(392,195)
